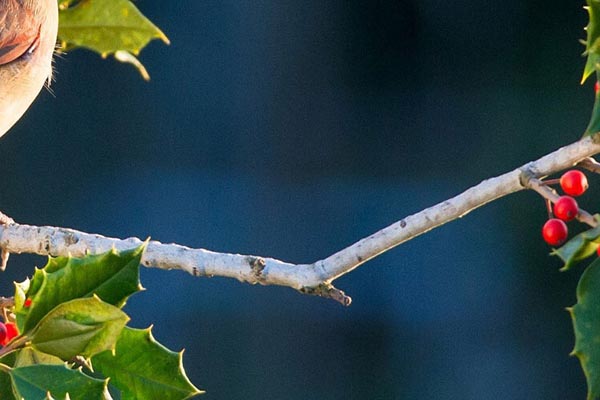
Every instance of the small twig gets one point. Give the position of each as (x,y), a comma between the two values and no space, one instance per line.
(327,290)
(590,164)
(4,254)
(7,302)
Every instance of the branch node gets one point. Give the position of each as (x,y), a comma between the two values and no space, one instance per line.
(70,239)
(4,254)
(328,291)
(257,264)
(526,176)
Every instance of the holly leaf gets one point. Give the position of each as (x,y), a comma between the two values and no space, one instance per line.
(579,247)
(35,382)
(586,323)
(5,383)
(107,27)
(6,387)
(112,276)
(592,42)
(592,52)
(21,289)
(81,327)
(594,124)
(142,368)
(28,356)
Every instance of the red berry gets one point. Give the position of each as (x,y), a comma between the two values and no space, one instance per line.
(2,333)
(597,87)
(566,208)
(27,303)
(574,182)
(11,331)
(598,251)
(555,232)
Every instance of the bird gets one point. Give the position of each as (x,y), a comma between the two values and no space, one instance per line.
(28,34)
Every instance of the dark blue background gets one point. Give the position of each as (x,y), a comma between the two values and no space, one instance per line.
(291,129)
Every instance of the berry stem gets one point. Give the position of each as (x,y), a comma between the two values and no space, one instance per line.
(549,208)
(549,182)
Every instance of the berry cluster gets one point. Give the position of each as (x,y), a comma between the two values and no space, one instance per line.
(573,183)
(9,330)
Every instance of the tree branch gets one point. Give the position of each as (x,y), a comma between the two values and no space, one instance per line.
(315,278)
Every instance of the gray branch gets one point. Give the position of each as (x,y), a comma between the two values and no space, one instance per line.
(315,278)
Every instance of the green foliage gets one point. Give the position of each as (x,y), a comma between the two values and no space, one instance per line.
(586,323)
(111,276)
(142,368)
(592,52)
(28,356)
(6,391)
(586,313)
(37,381)
(81,327)
(594,124)
(75,317)
(107,27)
(592,42)
(579,247)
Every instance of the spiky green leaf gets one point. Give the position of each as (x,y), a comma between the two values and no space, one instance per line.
(112,276)
(29,356)
(592,42)
(35,382)
(108,27)
(586,323)
(579,247)
(142,368)
(6,391)
(80,327)
(594,124)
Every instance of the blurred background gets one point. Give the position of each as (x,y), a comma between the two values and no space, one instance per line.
(291,129)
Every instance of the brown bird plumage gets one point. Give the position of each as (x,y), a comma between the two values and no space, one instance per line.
(28,31)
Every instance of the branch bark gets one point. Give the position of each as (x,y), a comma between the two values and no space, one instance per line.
(315,278)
